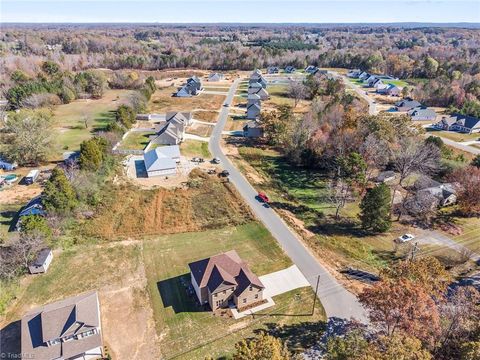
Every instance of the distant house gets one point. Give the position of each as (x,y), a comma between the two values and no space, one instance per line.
(256,88)
(191,88)
(444,193)
(253,99)
(172,130)
(445,123)
(311,69)
(253,111)
(162,161)
(385,176)
(66,329)
(272,70)
(215,77)
(225,278)
(253,129)
(389,89)
(42,262)
(407,104)
(422,114)
(364,75)
(354,74)
(290,69)
(258,78)
(465,124)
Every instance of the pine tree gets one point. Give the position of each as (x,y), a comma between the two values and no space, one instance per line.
(91,155)
(375,209)
(59,195)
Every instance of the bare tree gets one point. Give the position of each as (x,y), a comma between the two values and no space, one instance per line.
(375,153)
(339,193)
(26,246)
(85,118)
(297,91)
(412,156)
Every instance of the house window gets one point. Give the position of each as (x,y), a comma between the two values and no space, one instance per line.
(244,300)
(214,295)
(256,296)
(224,292)
(250,288)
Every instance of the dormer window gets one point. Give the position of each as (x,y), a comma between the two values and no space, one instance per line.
(54,342)
(250,288)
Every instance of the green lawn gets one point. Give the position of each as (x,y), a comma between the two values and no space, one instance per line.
(471,233)
(136,140)
(182,326)
(8,213)
(69,118)
(455,136)
(399,83)
(193,148)
(277,90)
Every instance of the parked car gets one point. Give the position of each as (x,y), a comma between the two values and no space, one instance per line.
(212,171)
(263,197)
(405,238)
(224,173)
(216,160)
(198,159)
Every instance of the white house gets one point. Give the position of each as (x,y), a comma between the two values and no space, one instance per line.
(42,262)
(162,161)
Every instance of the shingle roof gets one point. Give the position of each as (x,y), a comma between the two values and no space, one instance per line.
(41,257)
(161,158)
(70,316)
(221,268)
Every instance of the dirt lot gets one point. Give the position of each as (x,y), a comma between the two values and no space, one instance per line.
(163,101)
(208,202)
(208,116)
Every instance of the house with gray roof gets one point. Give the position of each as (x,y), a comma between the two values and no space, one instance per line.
(311,69)
(389,89)
(290,69)
(215,77)
(65,329)
(225,278)
(354,74)
(258,89)
(253,129)
(407,104)
(445,123)
(253,99)
(253,111)
(172,130)
(465,124)
(422,114)
(162,161)
(272,70)
(364,75)
(192,87)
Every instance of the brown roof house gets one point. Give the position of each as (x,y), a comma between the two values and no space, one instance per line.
(66,329)
(223,279)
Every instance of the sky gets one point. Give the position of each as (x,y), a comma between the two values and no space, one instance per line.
(245,11)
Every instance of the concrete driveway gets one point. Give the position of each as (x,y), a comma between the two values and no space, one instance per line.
(283,281)
(432,237)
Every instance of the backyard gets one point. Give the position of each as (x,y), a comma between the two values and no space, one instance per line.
(70,119)
(192,148)
(136,140)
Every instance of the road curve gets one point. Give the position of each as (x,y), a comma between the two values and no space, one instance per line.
(372,107)
(337,301)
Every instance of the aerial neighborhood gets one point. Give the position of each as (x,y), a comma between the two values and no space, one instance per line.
(239,191)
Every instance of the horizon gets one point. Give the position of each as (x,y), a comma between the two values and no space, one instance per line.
(311,12)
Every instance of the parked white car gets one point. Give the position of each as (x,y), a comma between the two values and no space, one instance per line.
(405,238)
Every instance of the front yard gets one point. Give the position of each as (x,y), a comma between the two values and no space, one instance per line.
(181,325)
(163,101)
(455,136)
(136,140)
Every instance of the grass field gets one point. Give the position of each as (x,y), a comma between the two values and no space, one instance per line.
(180,324)
(471,233)
(69,118)
(192,148)
(136,140)
(455,136)
(8,213)
(202,130)
(163,101)
(235,122)
(303,194)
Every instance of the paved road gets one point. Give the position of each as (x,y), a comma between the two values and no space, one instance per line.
(337,301)
(459,145)
(372,107)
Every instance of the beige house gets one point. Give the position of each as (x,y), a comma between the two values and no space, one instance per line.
(223,279)
(66,329)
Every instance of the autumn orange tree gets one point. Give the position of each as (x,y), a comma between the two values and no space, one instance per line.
(467,183)
(401,305)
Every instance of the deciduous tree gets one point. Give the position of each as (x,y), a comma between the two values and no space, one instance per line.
(262,347)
